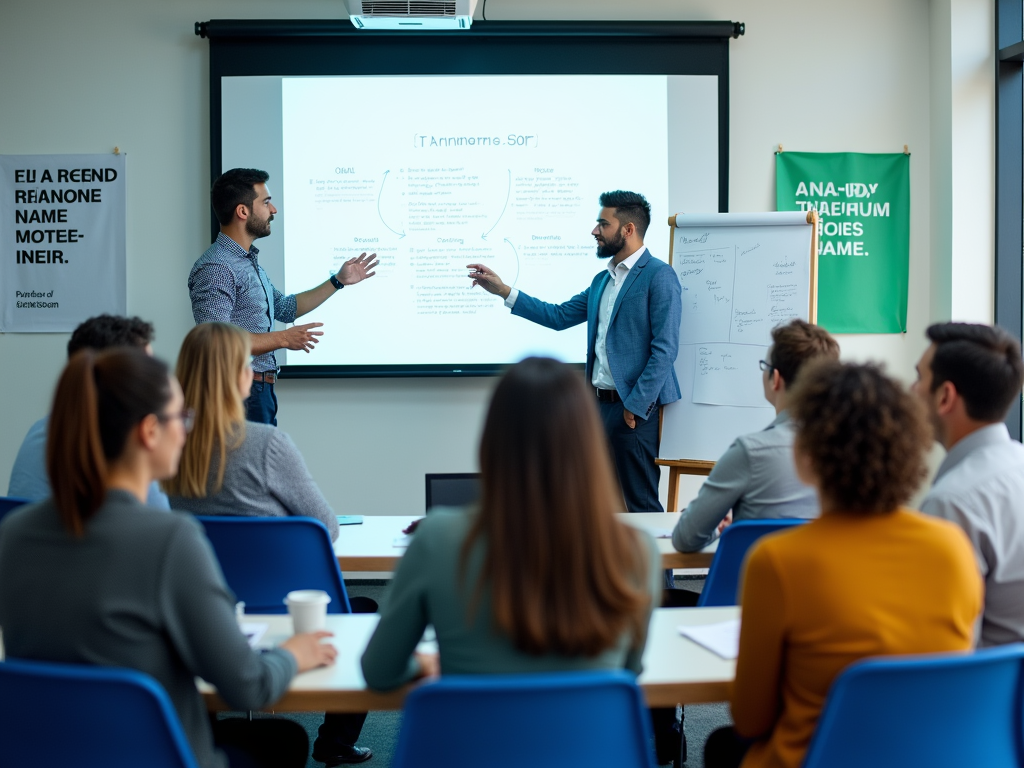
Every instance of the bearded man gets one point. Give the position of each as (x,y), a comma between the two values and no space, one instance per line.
(227,284)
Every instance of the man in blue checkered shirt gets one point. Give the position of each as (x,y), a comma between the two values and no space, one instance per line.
(228,284)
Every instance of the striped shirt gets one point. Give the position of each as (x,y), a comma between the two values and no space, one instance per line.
(227,284)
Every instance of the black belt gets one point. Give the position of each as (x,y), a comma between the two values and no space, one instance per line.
(608,396)
(267,377)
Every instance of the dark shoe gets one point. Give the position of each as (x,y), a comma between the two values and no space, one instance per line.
(342,754)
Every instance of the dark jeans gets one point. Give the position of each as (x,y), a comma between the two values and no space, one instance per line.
(669,741)
(266,742)
(634,452)
(261,406)
(725,749)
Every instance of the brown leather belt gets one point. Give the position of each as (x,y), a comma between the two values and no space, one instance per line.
(267,377)
(608,396)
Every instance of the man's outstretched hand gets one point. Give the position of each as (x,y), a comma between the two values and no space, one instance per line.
(488,280)
(357,269)
(300,337)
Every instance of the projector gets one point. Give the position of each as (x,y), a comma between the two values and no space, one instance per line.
(411,14)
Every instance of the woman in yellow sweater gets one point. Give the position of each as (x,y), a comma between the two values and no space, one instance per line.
(868,578)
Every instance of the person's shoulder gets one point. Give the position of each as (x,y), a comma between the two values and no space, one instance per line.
(215,257)
(938,534)
(445,527)
(37,515)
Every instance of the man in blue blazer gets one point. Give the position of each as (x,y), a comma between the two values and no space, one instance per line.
(632,311)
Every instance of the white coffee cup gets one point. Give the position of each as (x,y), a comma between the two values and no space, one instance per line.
(308,609)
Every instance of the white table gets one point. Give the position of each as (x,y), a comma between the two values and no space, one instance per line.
(676,670)
(369,547)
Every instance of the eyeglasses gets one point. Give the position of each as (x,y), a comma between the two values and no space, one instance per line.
(187,416)
(766,366)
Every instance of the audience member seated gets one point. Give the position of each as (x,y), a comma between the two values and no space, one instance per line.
(231,466)
(28,475)
(969,378)
(755,477)
(540,577)
(868,578)
(93,576)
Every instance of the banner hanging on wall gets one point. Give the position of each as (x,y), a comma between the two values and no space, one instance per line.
(863,204)
(62,230)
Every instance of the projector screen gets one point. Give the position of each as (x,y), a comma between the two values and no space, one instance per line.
(434,172)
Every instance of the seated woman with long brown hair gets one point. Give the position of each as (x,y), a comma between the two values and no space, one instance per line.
(93,576)
(231,466)
(868,578)
(542,576)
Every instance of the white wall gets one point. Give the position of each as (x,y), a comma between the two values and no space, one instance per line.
(814,76)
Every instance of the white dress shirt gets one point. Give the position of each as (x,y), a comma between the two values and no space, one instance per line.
(602,378)
(980,486)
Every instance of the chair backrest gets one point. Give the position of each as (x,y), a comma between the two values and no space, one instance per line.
(935,710)
(94,717)
(9,503)
(723,581)
(548,720)
(265,558)
(452,490)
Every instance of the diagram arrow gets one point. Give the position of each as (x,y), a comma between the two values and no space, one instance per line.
(400,234)
(507,195)
(517,261)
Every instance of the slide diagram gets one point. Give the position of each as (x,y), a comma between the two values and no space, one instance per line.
(434,173)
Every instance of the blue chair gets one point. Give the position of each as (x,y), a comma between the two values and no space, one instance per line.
(543,721)
(938,710)
(723,581)
(10,503)
(95,717)
(265,558)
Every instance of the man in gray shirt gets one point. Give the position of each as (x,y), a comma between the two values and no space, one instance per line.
(755,478)
(969,378)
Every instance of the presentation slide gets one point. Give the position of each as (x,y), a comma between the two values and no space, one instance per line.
(432,173)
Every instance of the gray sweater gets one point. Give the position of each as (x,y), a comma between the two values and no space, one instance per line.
(427,589)
(141,589)
(264,477)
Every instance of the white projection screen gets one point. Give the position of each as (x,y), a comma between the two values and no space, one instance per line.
(434,171)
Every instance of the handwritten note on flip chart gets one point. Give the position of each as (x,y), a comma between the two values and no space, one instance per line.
(741,275)
(728,374)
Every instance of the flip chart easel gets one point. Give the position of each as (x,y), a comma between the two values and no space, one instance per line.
(703,466)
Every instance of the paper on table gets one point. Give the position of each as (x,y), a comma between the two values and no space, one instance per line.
(721,638)
(253,631)
(402,541)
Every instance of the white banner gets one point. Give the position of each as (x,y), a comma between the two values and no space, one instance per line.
(62,240)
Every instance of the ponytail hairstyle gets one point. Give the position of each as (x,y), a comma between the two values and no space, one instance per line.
(101,397)
(211,359)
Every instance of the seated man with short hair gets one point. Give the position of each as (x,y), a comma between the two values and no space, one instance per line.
(28,475)
(969,378)
(755,478)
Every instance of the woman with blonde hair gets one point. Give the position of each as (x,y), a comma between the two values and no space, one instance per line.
(541,576)
(234,467)
(231,466)
(125,586)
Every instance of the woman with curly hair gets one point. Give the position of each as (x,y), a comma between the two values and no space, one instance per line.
(868,578)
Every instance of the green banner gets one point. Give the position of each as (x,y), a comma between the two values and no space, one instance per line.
(863,205)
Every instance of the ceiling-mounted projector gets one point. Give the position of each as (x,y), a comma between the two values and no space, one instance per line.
(411,14)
